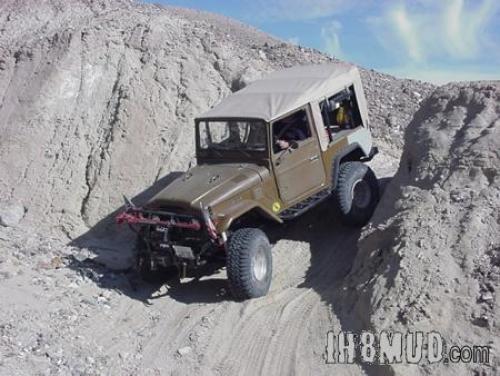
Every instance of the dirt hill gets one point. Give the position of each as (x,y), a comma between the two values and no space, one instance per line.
(97,98)
(430,259)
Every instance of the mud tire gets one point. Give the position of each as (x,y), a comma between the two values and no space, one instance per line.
(357,193)
(249,263)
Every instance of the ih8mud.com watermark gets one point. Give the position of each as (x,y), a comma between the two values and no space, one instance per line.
(394,347)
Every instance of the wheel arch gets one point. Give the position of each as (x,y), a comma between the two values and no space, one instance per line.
(352,152)
(247,209)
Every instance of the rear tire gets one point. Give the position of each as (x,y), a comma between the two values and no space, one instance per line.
(356,194)
(249,263)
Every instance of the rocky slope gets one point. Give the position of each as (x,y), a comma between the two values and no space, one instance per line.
(97,99)
(430,260)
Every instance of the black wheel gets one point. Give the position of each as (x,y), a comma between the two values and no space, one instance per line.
(357,193)
(147,269)
(249,263)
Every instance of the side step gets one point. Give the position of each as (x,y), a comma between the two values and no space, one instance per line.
(303,206)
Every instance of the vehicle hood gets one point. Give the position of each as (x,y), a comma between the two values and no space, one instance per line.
(208,184)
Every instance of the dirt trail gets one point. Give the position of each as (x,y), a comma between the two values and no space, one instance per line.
(127,326)
(102,321)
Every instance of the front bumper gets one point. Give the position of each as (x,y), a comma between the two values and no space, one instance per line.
(162,219)
(138,216)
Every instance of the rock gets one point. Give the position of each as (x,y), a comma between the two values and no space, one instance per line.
(391,121)
(5,274)
(184,350)
(56,262)
(247,76)
(486,297)
(481,321)
(82,255)
(11,214)
(102,299)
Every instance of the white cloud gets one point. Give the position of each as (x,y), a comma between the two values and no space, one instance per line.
(464,27)
(425,30)
(331,39)
(408,32)
(294,40)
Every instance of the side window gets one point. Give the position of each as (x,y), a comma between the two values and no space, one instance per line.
(340,112)
(294,127)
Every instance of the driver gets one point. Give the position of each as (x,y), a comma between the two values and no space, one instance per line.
(292,133)
(234,138)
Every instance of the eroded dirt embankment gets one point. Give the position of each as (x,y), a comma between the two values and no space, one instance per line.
(97,99)
(430,259)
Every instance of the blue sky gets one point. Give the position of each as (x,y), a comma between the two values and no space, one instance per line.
(438,41)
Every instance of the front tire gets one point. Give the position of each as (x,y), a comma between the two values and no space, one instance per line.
(249,263)
(357,193)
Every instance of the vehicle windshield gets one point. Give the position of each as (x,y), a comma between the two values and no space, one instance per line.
(241,135)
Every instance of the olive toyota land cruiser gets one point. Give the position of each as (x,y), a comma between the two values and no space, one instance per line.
(270,151)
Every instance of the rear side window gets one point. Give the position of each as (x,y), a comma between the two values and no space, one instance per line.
(340,112)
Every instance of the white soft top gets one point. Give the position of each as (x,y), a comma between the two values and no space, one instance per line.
(283,91)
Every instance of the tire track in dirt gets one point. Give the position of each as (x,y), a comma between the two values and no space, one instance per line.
(282,333)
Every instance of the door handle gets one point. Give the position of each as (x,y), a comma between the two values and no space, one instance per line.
(314,158)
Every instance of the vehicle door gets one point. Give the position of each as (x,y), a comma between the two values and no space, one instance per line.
(296,156)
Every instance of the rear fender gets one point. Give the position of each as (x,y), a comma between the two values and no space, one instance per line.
(353,152)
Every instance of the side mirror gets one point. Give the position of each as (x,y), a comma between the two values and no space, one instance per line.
(294,144)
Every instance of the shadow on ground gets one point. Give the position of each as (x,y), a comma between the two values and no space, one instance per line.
(106,258)
(111,244)
(334,248)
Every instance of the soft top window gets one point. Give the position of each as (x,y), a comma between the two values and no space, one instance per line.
(294,127)
(249,135)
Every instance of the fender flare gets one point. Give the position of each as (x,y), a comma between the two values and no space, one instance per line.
(245,207)
(338,158)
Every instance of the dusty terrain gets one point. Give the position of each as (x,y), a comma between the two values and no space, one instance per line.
(97,99)
(430,258)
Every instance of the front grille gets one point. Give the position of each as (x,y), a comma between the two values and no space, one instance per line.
(161,235)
